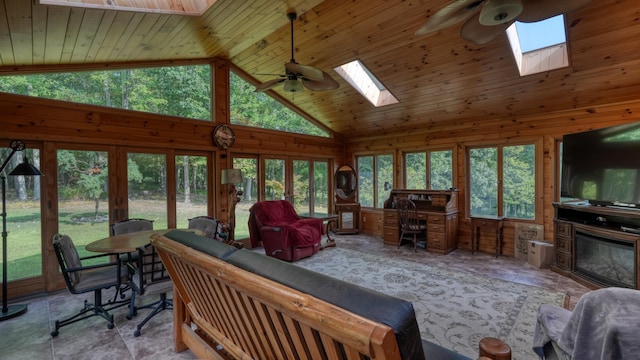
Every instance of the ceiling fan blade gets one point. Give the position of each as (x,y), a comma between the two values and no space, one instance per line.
(268,85)
(536,10)
(305,71)
(479,34)
(325,84)
(451,14)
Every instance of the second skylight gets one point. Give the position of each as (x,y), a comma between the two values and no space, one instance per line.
(363,80)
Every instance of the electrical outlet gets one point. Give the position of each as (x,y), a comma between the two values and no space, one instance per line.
(364,219)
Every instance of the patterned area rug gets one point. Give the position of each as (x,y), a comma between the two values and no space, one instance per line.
(454,309)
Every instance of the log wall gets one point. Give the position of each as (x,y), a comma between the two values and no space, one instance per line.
(544,130)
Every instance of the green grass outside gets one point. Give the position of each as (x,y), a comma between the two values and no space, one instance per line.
(77,219)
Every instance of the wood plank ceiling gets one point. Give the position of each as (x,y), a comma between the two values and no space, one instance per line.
(440,80)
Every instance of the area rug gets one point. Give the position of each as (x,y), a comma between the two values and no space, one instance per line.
(454,309)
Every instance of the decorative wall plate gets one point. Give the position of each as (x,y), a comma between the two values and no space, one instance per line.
(223,136)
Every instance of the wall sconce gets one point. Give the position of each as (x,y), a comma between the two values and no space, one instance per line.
(232,177)
(23,169)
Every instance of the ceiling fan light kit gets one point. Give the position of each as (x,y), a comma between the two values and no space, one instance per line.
(496,12)
(292,85)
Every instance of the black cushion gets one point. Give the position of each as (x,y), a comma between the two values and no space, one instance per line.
(437,352)
(207,245)
(391,311)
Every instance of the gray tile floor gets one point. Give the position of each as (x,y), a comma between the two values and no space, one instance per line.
(27,336)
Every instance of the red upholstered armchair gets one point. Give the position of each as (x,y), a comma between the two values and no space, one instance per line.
(283,233)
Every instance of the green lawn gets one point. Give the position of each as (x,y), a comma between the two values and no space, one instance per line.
(78,220)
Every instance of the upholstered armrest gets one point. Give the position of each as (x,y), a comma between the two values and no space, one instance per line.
(550,323)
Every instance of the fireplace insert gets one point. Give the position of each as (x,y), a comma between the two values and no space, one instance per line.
(608,261)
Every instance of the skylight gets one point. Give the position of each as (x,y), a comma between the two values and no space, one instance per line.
(540,46)
(363,80)
(182,7)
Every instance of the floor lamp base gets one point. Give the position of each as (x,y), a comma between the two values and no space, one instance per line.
(13,311)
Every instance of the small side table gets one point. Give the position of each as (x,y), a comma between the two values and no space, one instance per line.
(330,223)
(479,222)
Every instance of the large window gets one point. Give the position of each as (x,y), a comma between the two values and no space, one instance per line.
(375,179)
(436,174)
(258,109)
(502,181)
(24,249)
(192,185)
(183,91)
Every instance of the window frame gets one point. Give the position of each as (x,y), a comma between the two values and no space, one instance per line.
(538,175)
(427,152)
(374,165)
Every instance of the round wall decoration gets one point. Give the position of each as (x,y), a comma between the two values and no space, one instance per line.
(223,136)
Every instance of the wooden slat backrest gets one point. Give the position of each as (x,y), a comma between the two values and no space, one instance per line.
(254,317)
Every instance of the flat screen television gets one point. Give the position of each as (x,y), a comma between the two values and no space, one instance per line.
(603,166)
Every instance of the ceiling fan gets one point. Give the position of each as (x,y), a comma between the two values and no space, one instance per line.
(486,19)
(297,76)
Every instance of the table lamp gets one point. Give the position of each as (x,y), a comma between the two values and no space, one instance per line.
(24,169)
(232,177)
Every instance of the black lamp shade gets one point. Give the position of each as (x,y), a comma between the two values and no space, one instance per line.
(25,169)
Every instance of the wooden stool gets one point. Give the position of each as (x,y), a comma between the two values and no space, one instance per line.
(494,349)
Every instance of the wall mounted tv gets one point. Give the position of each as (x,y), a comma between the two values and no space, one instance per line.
(603,166)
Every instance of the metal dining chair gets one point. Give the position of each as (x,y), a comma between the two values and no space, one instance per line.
(128,226)
(148,277)
(82,279)
(206,224)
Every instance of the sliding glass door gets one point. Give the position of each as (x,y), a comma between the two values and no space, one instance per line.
(83,195)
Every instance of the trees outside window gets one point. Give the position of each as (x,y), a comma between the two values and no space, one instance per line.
(502,181)
(375,179)
(439,169)
(183,91)
(258,109)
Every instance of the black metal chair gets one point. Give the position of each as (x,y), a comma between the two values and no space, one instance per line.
(411,227)
(206,224)
(83,279)
(148,277)
(126,227)
(130,225)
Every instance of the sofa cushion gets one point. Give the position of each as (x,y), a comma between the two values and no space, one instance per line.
(217,249)
(437,352)
(391,311)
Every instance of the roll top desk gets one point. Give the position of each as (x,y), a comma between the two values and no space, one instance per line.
(439,210)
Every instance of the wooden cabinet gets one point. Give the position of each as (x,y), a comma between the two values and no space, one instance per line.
(348,218)
(563,241)
(598,246)
(437,208)
(347,209)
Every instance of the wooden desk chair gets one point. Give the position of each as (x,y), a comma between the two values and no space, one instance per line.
(411,228)
(83,279)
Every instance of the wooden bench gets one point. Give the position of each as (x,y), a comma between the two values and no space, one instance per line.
(222,311)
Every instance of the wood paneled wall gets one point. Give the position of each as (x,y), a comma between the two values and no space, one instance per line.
(43,123)
(545,130)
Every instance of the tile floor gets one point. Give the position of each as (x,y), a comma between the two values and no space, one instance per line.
(27,336)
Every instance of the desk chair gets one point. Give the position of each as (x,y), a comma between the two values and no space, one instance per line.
(148,277)
(411,228)
(83,279)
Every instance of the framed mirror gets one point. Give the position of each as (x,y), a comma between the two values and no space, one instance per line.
(346,183)
(347,209)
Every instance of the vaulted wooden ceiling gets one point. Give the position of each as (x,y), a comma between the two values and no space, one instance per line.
(439,79)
